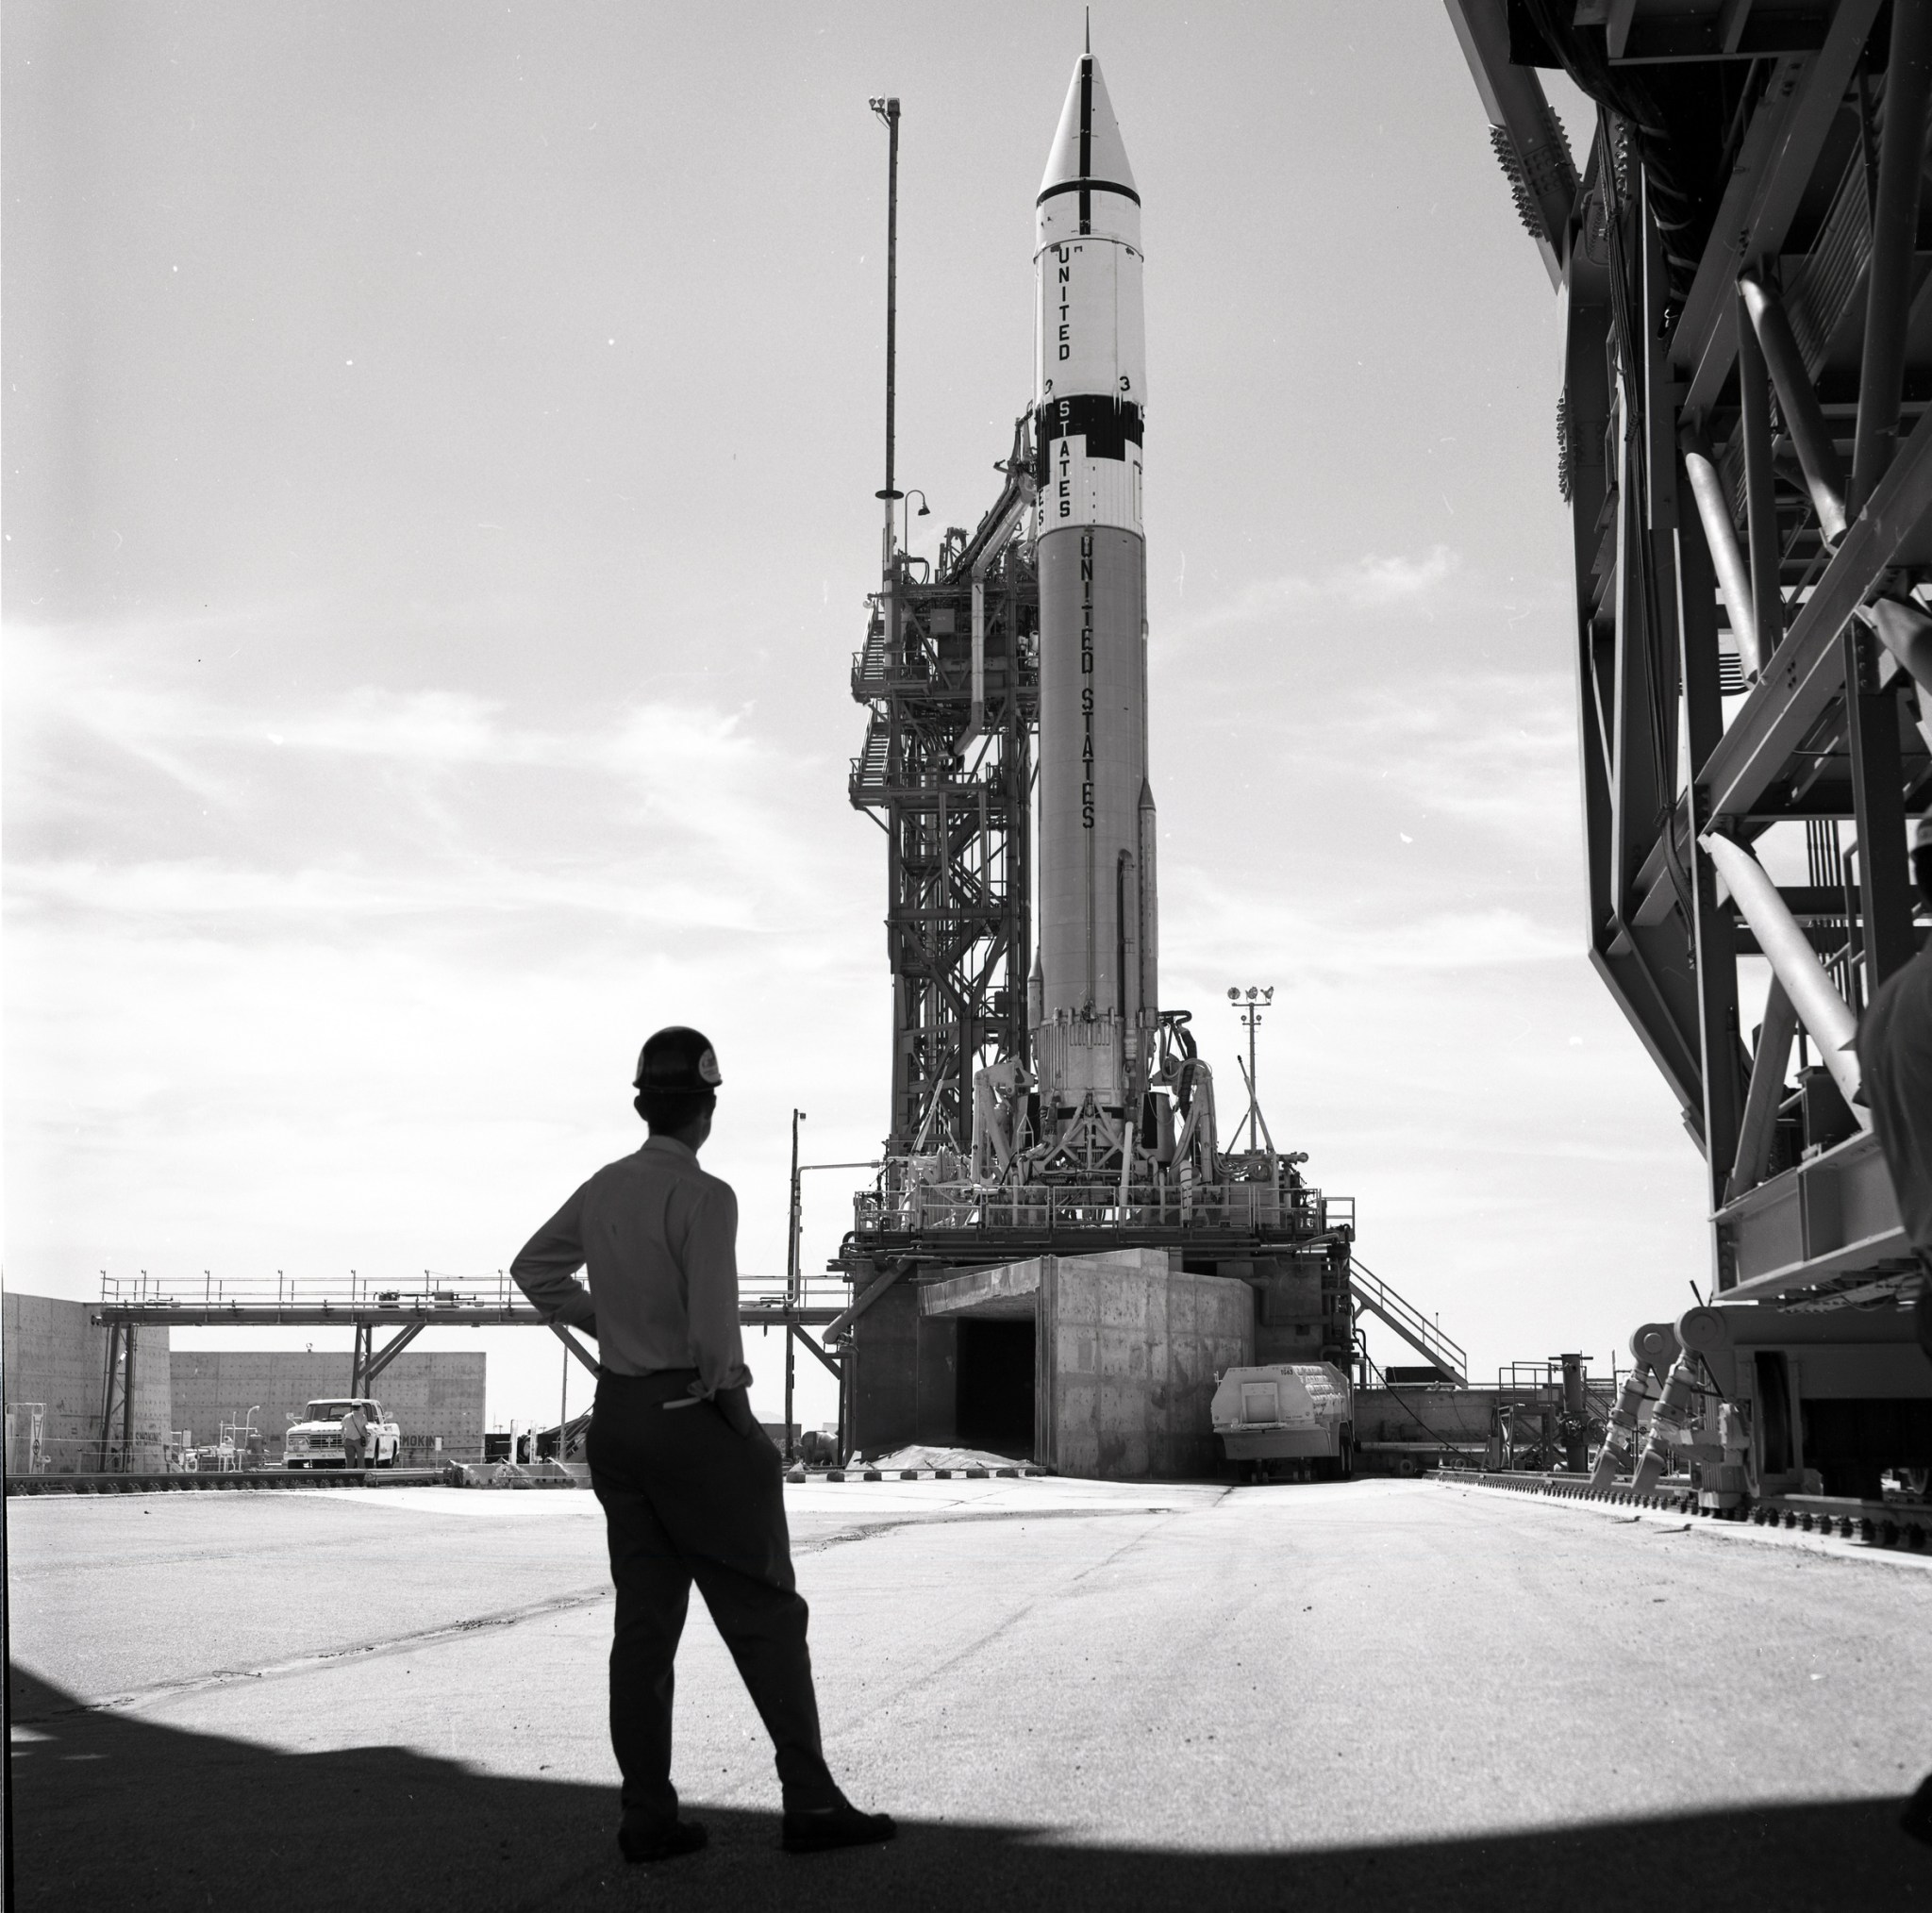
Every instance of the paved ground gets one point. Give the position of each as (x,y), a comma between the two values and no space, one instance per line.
(1374,1694)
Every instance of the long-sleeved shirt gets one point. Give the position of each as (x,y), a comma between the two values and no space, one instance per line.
(659,1239)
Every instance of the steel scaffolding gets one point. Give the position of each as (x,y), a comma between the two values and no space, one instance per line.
(950,673)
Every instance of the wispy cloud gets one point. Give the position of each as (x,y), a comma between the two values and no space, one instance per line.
(1314,939)
(1494,749)
(395,941)
(375,802)
(1373,582)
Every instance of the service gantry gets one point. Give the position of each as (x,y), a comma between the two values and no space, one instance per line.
(950,673)
(1745,445)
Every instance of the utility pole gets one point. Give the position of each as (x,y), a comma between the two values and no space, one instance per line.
(799,1171)
(792,1216)
(888,111)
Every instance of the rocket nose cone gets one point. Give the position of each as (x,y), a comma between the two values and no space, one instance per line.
(1088,145)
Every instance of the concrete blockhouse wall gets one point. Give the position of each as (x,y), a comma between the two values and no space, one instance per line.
(1129,1353)
(52,1355)
(905,1375)
(429,1394)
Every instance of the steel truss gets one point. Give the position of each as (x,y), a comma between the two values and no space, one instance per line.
(1745,445)
(385,1322)
(946,770)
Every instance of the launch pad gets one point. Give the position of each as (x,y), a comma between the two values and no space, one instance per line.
(1058,1255)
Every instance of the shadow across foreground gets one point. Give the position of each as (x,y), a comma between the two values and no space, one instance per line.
(113,1810)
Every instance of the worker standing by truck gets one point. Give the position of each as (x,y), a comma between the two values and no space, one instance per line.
(691,1487)
(355,1436)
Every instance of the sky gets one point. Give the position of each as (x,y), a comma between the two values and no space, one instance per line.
(440,448)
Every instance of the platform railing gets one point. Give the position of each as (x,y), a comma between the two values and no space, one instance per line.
(354,1295)
(1409,1323)
(756,1292)
(1073,1205)
(351,1293)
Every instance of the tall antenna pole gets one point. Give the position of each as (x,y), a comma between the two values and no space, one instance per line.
(888,111)
(791,1227)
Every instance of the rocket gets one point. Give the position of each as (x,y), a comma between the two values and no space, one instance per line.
(1094,997)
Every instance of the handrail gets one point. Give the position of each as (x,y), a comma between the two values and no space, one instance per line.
(954,1206)
(379,1297)
(1424,1336)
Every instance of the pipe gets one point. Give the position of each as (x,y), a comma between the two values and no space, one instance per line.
(1759,1124)
(1670,1423)
(983,1125)
(1810,434)
(1760,496)
(1894,236)
(128,1402)
(1721,535)
(1794,963)
(1150,905)
(1620,1437)
(1905,631)
(1198,1124)
(841,1325)
(1575,1410)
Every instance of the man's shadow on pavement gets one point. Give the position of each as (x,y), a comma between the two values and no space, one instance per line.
(114,1811)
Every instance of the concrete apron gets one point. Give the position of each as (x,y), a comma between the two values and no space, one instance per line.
(1127,1348)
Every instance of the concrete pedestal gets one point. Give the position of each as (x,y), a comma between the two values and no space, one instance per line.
(1127,1351)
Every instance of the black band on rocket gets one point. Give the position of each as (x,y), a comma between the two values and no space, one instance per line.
(1106,422)
(1088,185)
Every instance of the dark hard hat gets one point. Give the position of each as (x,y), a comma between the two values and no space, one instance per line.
(679,1060)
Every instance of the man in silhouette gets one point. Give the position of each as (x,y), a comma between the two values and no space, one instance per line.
(692,1485)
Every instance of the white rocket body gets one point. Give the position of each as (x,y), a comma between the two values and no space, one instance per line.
(1096,926)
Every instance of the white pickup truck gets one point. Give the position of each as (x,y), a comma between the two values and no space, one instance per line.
(315,1437)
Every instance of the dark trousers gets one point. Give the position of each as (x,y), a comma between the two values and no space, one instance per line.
(686,1498)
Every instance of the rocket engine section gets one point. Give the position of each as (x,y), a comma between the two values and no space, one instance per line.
(1096,997)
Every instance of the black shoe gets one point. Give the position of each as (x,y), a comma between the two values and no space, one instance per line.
(835,1826)
(681,1836)
(1917,1818)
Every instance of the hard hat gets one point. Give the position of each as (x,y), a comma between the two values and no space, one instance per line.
(679,1060)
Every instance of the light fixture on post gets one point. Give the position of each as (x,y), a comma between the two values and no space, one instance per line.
(1250,1007)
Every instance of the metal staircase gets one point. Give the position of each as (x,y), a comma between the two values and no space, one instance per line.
(1416,1329)
(868,783)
